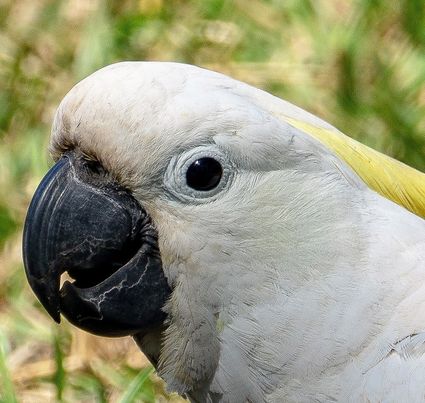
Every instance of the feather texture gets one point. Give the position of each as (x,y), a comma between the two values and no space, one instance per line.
(387,176)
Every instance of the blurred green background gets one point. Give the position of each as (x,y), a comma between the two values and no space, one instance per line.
(358,64)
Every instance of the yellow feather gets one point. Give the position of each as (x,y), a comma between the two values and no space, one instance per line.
(387,176)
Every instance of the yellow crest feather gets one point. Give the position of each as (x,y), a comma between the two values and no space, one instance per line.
(387,176)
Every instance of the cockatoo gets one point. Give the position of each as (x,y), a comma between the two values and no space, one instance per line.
(253,251)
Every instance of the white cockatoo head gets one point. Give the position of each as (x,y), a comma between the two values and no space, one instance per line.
(202,211)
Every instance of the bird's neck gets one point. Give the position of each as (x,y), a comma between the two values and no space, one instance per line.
(309,305)
(340,322)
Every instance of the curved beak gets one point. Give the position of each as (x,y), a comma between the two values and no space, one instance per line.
(82,223)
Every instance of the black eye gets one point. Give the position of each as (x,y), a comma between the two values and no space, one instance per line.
(204,174)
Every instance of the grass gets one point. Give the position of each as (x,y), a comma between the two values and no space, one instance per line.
(359,64)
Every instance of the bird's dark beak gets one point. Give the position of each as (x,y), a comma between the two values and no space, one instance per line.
(81,222)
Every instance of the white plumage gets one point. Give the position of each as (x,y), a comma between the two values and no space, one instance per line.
(292,281)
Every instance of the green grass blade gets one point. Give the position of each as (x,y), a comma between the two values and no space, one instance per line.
(59,378)
(7,391)
(136,387)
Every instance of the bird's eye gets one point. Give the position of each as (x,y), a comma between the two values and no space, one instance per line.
(204,174)
(198,175)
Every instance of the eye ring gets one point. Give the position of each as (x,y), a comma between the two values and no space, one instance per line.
(198,175)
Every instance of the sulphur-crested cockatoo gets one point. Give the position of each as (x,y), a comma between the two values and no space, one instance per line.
(252,250)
